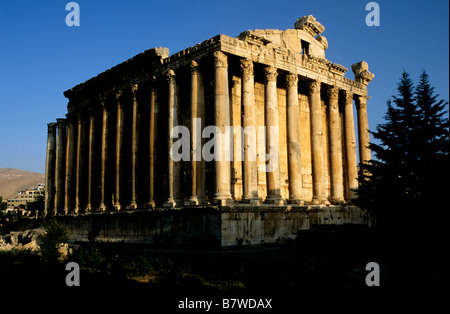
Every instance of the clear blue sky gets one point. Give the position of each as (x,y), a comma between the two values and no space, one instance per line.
(40,57)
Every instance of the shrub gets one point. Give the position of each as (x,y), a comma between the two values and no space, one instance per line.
(56,234)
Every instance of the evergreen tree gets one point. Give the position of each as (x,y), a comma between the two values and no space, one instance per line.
(390,179)
(405,185)
(433,138)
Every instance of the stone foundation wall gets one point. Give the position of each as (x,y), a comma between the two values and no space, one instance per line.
(208,226)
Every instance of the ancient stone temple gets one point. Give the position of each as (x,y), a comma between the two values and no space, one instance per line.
(256,133)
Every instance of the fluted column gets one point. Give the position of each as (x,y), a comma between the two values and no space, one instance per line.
(60,172)
(135,178)
(174,167)
(350,147)
(363,129)
(337,177)
(152,147)
(105,185)
(80,193)
(272,137)
(118,202)
(50,165)
(250,171)
(222,194)
(317,144)
(197,124)
(293,140)
(71,155)
(91,160)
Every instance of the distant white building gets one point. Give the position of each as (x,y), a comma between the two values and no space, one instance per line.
(24,197)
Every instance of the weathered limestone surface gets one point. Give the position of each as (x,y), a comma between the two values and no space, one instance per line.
(284,134)
(209,226)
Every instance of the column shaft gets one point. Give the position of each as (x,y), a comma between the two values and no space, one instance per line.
(222,194)
(272,137)
(350,147)
(50,168)
(174,167)
(250,170)
(363,129)
(197,125)
(60,172)
(71,154)
(91,161)
(119,151)
(80,185)
(135,178)
(317,146)
(105,193)
(337,184)
(152,148)
(293,140)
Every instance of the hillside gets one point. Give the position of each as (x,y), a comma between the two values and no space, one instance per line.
(14,180)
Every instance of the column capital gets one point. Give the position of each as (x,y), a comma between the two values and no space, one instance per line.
(194,67)
(79,116)
(118,94)
(247,69)
(170,76)
(104,104)
(220,59)
(361,101)
(134,89)
(292,80)
(333,92)
(348,96)
(51,127)
(61,122)
(235,80)
(270,74)
(314,87)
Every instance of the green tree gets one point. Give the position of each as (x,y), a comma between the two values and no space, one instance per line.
(37,205)
(3,205)
(391,178)
(405,185)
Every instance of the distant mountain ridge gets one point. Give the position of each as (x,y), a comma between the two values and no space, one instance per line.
(15,180)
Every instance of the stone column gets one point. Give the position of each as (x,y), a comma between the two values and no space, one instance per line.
(60,172)
(337,177)
(119,151)
(272,137)
(71,154)
(173,166)
(222,194)
(197,125)
(236,151)
(293,140)
(50,168)
(250,171)
(363,129)
(152,147)
(105,186)
(91,160)
(317,147)
(350,147)
(81,148)
(135,197)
